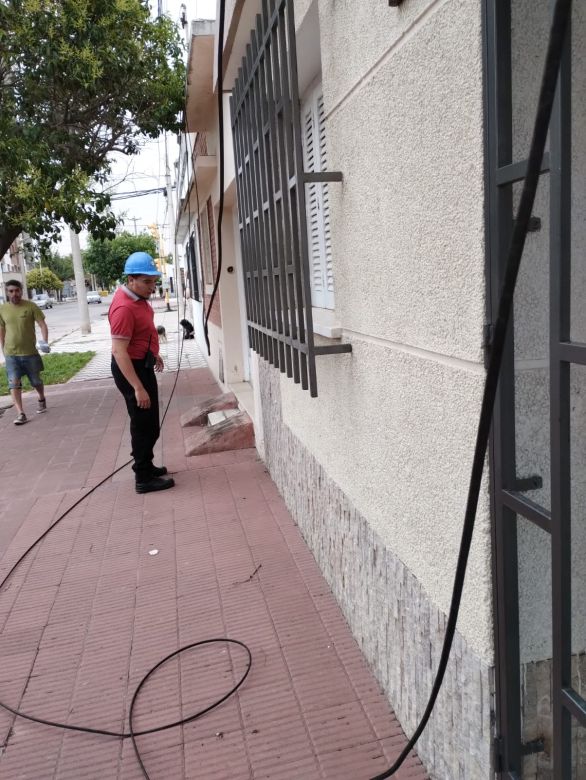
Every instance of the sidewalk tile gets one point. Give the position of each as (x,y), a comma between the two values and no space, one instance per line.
(125,579)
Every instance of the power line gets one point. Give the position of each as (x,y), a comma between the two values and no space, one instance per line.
(137,193)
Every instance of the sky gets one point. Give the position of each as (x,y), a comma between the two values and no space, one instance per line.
(147,169)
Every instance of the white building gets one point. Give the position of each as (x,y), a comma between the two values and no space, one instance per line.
(13,266)
(353,322)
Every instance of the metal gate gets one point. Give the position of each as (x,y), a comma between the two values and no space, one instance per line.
(538,453)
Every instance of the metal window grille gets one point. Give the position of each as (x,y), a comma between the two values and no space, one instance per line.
(192,265)
(510,501)
(271,183)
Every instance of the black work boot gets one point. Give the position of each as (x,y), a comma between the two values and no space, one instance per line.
(159,471)
(154,484)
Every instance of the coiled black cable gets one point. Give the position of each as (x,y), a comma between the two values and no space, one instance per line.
(559,26)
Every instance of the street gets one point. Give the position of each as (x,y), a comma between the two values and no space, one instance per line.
(64,317)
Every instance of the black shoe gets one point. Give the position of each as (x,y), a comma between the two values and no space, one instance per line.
(159,471)
(154,484)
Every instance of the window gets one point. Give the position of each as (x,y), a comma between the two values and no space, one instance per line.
(192,265)
(317,203)
(206,247)
(272,185)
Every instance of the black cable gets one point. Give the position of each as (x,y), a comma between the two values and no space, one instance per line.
(131,733)
(193,261)
(559,26)
(203,307)
(197,222)
(220,61)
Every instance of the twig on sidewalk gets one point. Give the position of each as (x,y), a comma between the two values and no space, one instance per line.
(248,579)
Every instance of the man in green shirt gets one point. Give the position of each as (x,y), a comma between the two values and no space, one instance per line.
(19,344)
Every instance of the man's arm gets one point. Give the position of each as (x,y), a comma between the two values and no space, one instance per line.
(44,330)
(124,362)
(2,336)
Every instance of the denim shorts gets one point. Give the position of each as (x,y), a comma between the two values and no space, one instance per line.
(18,366)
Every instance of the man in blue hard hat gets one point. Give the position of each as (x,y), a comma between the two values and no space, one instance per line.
(135,358)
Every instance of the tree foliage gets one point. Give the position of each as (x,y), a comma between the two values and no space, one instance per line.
(62,267)
(43,279)
(79,79)
(106,258)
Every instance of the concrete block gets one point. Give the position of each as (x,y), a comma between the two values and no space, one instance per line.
(198,415)
(234,433)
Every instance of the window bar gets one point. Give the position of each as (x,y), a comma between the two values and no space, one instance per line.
(560,273)
(290,191)
(270,214)
(276,277)
(266,213)
(572,352)
(247,125)
(283,202)
(503,471)
(269,22)
(514,172)
(302,250)
(257,150)
(258,201)
(245,224)
(240,174)
(250,139)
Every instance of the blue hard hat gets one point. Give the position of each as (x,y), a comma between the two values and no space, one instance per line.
(140,263)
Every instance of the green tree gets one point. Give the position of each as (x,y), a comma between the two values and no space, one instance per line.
(62,267)
(79,80)
(105,258)
(43,279)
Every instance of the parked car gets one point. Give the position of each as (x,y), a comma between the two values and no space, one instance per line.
(43,301)
(94,297)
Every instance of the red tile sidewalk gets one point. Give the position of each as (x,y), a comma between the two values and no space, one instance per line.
(90,611)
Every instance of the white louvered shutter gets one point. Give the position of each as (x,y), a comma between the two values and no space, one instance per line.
(325,204)
(314,221)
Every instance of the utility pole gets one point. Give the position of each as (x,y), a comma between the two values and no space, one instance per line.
(135,220)
(173,226)
(84,313)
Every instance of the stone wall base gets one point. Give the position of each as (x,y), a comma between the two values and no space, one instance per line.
(399,630)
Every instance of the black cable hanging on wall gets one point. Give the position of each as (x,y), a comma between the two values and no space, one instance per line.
(220,89)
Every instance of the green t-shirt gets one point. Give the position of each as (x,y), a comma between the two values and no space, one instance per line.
(19,324)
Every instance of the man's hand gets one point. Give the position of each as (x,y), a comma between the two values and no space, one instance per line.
(142,398)
(159,365)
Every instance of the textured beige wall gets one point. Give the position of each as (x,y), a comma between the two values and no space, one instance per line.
(394,423)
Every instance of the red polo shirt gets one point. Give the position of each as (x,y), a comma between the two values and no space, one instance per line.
(132,317)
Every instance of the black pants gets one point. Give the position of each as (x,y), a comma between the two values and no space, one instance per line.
(144,423)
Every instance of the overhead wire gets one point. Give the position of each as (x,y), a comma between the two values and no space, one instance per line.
(136,193)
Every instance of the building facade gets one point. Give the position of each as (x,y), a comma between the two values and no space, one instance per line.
(13,266)
(373,161)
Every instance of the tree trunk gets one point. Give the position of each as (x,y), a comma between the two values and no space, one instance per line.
(8,234)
